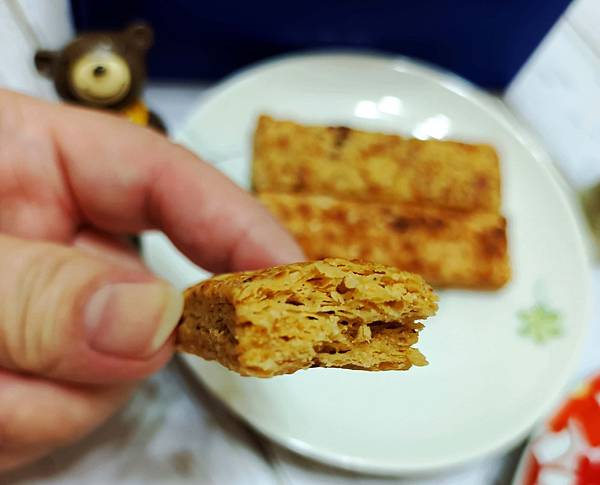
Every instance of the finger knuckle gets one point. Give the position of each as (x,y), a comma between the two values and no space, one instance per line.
(36,307)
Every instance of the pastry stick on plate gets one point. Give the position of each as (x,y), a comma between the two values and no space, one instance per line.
(358,165)
(448,248)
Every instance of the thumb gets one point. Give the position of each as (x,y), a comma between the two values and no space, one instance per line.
(67,315)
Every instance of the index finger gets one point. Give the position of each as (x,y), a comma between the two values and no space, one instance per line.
(124,178)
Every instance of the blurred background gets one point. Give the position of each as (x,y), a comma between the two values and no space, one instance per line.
(542,54)
(541,57)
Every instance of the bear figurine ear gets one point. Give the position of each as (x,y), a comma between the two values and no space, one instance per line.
(140,34)
(43,62)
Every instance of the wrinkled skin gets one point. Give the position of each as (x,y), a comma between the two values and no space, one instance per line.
(73,183)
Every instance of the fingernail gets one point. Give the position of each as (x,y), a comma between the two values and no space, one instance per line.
(132,320)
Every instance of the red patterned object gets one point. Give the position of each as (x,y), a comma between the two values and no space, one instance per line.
(567,451)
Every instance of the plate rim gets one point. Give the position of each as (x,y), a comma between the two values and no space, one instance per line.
(493,107)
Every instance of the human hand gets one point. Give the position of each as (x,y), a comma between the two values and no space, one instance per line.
(81,319)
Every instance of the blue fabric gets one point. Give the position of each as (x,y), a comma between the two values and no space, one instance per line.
(486,41)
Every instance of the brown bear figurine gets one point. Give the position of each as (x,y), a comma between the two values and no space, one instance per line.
(104,70)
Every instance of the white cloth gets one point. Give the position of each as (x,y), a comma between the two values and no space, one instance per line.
(558,93)
(25,27)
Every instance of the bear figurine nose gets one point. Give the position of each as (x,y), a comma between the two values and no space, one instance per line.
(99,71)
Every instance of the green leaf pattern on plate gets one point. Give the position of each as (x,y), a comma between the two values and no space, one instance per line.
(540,323)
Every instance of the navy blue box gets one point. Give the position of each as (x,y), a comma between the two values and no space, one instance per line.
(486,41)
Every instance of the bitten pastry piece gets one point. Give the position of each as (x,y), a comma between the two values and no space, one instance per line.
(448,248)
(353,164)
(330,313)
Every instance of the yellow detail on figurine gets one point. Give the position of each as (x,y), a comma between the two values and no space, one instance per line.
(137,113)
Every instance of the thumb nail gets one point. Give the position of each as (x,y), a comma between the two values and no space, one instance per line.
(132,320)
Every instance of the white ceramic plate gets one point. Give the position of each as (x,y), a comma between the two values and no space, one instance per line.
(486,384)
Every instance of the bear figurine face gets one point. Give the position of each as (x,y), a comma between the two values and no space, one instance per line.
(99,69)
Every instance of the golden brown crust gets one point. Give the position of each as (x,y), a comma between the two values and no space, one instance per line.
(353,164)
(330,313)
(448,248)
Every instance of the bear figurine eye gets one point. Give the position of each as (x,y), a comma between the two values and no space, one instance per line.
(99,71)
